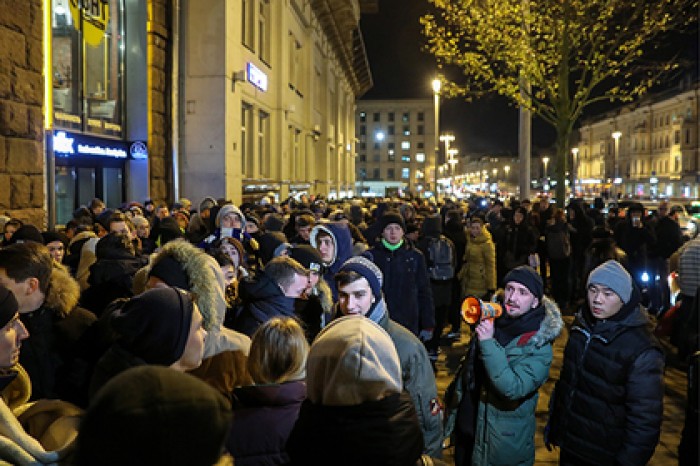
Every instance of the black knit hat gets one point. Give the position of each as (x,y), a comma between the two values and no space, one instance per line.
(308,256)
(168,230)
(528,277)
(155,325)
(52,236)
(171,272)
(27,233)
(392,216)
(273,222)
(8,306)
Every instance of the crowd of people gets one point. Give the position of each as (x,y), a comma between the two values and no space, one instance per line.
(307,332)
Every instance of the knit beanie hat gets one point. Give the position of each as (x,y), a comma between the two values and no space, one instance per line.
(206,203)
(171,272)
(392,216)
(52,236)
(27,233)
(155,325)
(273,222)
(272,244)
(8,306)
(308,256)
(368,270)
(168,230)
(614,276)
(528,277)
(352,360)
(150,415)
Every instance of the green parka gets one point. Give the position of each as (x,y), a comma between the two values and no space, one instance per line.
(505,428)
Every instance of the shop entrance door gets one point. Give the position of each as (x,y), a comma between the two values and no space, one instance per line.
(78,182)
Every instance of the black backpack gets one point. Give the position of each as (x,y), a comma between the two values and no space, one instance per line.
(440,259)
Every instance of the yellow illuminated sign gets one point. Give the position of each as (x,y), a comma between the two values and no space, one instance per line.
(95,19)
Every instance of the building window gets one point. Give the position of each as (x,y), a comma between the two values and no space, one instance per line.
(390,173)
(687,136)
(295,63)
(391,145)
(375,174)
(376,146)
(246,147)
(406,117)
(376,157)
(419,130)
(420,157)
(405,158)
(391,116)
(363,157)
(677,136)
(86,78)
(247,21)
(263,142)
(390,130)
(363,117)
(419,145)
(421,116)
(405,173)
(391,156)
(363,130)
(264,31)
(406,131)
(405,145)
(375,117)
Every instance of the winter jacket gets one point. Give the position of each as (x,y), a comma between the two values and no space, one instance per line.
(263,417)
(110,278)
(419,382)
(342,239)
(262,300)
(505,426)
(26,429)
(53,354)
(406,286)
(374,433)
(518,242)
(478,274)
(637,244)
(607,406)
(669,237)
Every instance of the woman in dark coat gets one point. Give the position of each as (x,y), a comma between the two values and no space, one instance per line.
(265,413)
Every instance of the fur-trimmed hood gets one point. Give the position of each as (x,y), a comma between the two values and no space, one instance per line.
(207,283)
(551,325)
(64,291)
(82,235)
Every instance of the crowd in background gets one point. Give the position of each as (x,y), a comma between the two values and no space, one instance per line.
(247,306)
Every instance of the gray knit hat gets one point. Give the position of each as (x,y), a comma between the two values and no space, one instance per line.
(612,275)
(368,270)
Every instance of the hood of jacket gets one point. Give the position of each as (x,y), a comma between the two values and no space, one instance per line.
(551,325)
(81,236)
(484,237)
(64,291)
(228,209)
(342,239)
(207,283)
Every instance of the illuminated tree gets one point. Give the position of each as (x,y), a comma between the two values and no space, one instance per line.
(572,53)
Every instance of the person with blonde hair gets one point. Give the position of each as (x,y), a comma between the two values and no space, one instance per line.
(264,413)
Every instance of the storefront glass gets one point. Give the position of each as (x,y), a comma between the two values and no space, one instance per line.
(87,60)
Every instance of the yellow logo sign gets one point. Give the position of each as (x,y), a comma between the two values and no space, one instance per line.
(95,19)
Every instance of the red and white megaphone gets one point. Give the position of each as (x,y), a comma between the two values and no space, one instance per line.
(474,309)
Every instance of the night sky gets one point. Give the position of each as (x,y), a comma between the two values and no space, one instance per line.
(401,69)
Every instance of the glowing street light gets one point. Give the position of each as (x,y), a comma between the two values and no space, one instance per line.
(437,84)
(616,136)
(574,170)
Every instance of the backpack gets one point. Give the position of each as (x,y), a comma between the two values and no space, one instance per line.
(440,259)
(558,244)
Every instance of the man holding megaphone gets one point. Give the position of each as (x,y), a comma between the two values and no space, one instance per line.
(506,364)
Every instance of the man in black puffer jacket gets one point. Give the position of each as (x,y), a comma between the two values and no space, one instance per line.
(607,406)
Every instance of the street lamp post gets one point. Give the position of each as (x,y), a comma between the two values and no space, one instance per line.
(616,136)
(545,161)
(574,170)
(437,84)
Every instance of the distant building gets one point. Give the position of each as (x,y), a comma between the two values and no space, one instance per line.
(658,153)
(396,146)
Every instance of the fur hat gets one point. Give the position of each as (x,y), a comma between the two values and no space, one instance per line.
(528,277)
(352,360)
(368,270)
(615,277)
(390,217)
(155,325)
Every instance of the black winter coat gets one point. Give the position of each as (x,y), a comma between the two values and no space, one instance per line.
(406,286)
(607,407)
(374,433)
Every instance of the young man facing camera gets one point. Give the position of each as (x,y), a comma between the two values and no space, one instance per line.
(612,378)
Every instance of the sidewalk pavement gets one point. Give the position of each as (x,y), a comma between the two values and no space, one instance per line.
(674,399)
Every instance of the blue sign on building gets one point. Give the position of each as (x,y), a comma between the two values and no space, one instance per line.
(67,144)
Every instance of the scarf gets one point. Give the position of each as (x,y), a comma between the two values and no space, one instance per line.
(392,247)
(508,328)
